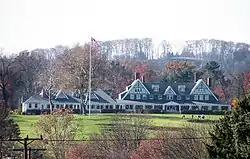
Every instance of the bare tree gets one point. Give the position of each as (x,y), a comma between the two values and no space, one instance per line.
(75,69)
(56,128)
(184,143)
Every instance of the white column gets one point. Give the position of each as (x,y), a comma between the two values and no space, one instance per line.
(209,107)
(199,107)
(219,107)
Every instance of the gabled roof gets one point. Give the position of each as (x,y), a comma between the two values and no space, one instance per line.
(200,81)
(169,88)
(61,95)
(101,97)
(36,99)
(132,85)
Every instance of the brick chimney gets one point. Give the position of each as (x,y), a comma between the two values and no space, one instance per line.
(209,82)
(137,75)
(143,79)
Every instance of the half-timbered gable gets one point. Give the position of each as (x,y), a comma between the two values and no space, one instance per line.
(136,91)
(201,92)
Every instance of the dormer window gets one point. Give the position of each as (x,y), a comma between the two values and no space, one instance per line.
(155,88)
(181,88)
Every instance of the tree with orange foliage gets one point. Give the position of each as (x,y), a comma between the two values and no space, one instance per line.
(179,72)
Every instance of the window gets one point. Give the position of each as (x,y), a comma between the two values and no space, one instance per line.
(66,106)
(181,88)
(71,106)
(178,97)
(132,96)
(117,107)
(101,106)
(196,97)
(61,106)
(35,105)
(155,88)
(169,97)
(78,107)
(131,107)
(151,97)
(30,106)
(97,107)
(127,107)
(42,106)
(111,106)
(144,97)
(206,97)
(57,106)
(138,96)
(201,97)
(106,107)
(159,97)
(187,97)
(74,106)
(48,106)
(137,89)
(148,106)
(92,107)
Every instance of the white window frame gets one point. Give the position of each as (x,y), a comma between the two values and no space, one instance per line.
(156,88)
(169,97)
(206,97)
(201,97)
(131,96)
(138,96)
(196,97)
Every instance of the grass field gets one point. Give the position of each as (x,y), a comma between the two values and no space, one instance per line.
(88,125)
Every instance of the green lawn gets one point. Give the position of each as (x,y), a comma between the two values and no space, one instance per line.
(88,125)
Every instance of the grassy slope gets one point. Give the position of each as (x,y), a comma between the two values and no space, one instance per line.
(87,126)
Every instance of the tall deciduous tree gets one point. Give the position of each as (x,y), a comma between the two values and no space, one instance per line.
(75,69)
(179,72)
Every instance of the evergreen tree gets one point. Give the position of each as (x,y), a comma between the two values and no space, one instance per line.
(231,136)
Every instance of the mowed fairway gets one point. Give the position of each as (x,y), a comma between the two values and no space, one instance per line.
(88,125)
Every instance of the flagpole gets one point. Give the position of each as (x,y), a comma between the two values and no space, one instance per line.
(90,70)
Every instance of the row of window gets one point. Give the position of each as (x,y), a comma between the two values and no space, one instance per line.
(71,106)
(155,107)
(168,97)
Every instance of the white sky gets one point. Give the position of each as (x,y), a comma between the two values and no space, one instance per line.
(30,24)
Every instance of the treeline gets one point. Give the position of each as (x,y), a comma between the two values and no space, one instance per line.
(66,68)
(230,55)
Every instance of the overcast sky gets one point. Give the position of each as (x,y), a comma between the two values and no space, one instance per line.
(29,24)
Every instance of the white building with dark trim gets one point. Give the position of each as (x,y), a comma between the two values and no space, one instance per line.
(38,104)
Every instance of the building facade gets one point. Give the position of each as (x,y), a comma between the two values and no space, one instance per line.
(38,104)
(170,97)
